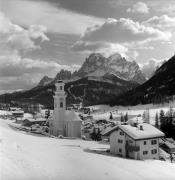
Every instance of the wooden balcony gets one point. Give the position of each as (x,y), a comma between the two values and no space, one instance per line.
(132,148)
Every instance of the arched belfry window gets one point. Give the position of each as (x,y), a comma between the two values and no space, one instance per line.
(61,104)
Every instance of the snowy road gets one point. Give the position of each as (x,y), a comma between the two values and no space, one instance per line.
(30,157)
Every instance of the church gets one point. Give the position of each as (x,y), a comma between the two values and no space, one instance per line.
(64,122)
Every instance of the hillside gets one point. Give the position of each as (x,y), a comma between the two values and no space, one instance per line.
(99,80)
(89,90)
(159,88)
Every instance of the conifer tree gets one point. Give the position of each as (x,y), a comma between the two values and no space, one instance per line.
(98,136)
(122,118)
(171,113)
(162,118)
(111,116)
(163,122)
(170,127)
(143,115)
(157,120)
(126,117)
(93,134)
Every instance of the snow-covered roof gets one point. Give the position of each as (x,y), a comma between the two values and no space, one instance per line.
(20,119)
(148,131)
(169,145)
(35,120)
(71,116)
(136,133)
(18,112)
(107,131)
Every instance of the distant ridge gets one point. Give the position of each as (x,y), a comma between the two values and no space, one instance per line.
(99,80)
(158,89)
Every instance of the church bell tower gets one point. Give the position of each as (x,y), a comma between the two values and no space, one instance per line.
(59,109)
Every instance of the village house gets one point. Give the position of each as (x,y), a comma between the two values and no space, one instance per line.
(31,107)
(30,121)
(18,114)
(136,141)
(64,122)
(167,146)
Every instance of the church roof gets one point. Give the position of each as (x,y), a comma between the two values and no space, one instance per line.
(71,116)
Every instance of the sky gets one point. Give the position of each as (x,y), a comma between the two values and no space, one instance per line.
(40,37)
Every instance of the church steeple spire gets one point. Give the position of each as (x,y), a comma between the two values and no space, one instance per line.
(59,109)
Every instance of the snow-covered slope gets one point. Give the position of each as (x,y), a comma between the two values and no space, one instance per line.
(98,65)
(25,157)
(103,111)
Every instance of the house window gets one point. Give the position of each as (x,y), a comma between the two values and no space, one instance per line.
(144,142)
(120,141)
(120,150)
(154,141)
(121,133)
(154,151)
(145,152)
(61,87)
(130,142)
(61,104)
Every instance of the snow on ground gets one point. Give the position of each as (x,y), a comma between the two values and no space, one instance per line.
(103,111)
(24,157)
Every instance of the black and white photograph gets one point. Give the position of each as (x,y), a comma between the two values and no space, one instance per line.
(87,90)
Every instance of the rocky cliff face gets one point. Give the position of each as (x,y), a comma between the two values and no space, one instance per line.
(45,80)
(98,65)
(63,75)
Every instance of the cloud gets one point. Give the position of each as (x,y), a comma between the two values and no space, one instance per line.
(162,6)
(12,66)
(24,73)
(139,7)
(161,22)
(118,36)
(38,31)
(150,67)
(15,37)
(15,65)
(122,31)
(17,71)
(49,14)
(105,48)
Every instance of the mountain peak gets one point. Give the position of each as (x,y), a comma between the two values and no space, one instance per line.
(97,55)
(44,81)
(98,65)
(115,56)
(63,75)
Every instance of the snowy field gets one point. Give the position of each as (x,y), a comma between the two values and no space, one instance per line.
(32,157)
(103,111)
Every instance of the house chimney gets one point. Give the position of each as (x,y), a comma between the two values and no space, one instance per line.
(141,127)
(135,124)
